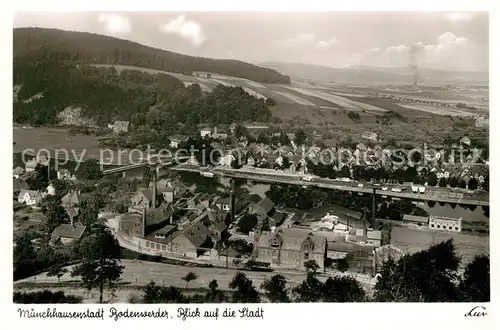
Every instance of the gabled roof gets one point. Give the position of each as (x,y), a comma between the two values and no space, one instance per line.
(197,234)
(18,185)
(67,230)
(71,198)
(292,239)
(33,194)
(18,170)
(265,205)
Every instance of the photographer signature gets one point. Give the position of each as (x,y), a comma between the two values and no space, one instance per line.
(478,311)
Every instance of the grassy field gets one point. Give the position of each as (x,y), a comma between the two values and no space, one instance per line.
(412,240)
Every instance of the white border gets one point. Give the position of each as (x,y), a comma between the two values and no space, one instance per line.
(373,316)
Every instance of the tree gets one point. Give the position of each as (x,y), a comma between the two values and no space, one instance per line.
(425,276)
(475,283)
(215,295)
(89,170)
(89,209)
(57,271)
(300,137)
(243,289)
(240,131)
(462,184)
(442,182)
(342,265)
(453,182)
(54,213)
(310,290)
(472,184)
(189,277)
(152,293)
(242,246)
(275,288)
(432,179)
(100,259)
(343,289)
(311,266)
(247,223)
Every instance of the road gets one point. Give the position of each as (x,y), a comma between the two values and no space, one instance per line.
(437,194)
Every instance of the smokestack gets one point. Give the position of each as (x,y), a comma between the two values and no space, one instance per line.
(143,227)
(365,231)
(154,189)
(374,206)
(232,200)
(414,64)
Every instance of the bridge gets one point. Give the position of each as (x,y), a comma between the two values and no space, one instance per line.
(154,163)
(436,194)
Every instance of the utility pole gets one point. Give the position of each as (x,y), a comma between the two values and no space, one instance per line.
(374,207)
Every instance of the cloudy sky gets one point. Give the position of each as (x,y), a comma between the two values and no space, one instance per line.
(454,41)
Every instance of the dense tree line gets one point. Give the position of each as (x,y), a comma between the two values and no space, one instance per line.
(157,101)
(45,297)
(89,48)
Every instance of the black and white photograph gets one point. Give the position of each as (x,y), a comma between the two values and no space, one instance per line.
(250,157)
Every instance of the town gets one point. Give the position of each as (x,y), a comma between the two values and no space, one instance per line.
(141,175)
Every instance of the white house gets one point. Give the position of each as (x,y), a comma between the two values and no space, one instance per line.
(51,190)
(226,160)
(30,197)
(465,140)
(279,161)
(30,165)
(206,132)
(63,174)
(250,161)
(18,171)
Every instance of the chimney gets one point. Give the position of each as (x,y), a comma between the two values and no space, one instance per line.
(143,227)
(232,200)
(364,223)
(154,189)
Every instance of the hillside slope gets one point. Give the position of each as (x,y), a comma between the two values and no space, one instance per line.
(88,48)
(367,75)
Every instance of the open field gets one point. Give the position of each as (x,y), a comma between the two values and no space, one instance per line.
(437,110)
(412,240)
(293,98)
(338,100)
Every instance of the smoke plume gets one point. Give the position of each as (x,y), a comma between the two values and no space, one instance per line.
(414,49)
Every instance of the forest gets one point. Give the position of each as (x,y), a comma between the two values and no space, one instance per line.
(158,102)
(87,48)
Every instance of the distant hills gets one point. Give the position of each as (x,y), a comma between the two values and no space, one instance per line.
(34,44)
(373,75)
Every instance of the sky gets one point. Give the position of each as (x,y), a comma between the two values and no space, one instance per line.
(442,40)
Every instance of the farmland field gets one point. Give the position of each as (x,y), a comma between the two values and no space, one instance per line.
(412,240)
(439,110)
(339,100)
(294,98)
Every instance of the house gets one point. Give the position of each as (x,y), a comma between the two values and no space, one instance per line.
(51,190)
(120,126)
(144,198)
(63,174)
(30,197)
(176,140)
(67,233)
(31,165)
(130,224)
(290,248)
(250,161)
(445,223)
(71,199)
(370,136)
(192,241)
(206,132)
(224,204)
(18,186)
(265,208)
(226,160)
(465,140)
(371,237)
(18,171)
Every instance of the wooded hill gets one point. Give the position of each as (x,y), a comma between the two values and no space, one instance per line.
(158,101)
(89,48)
